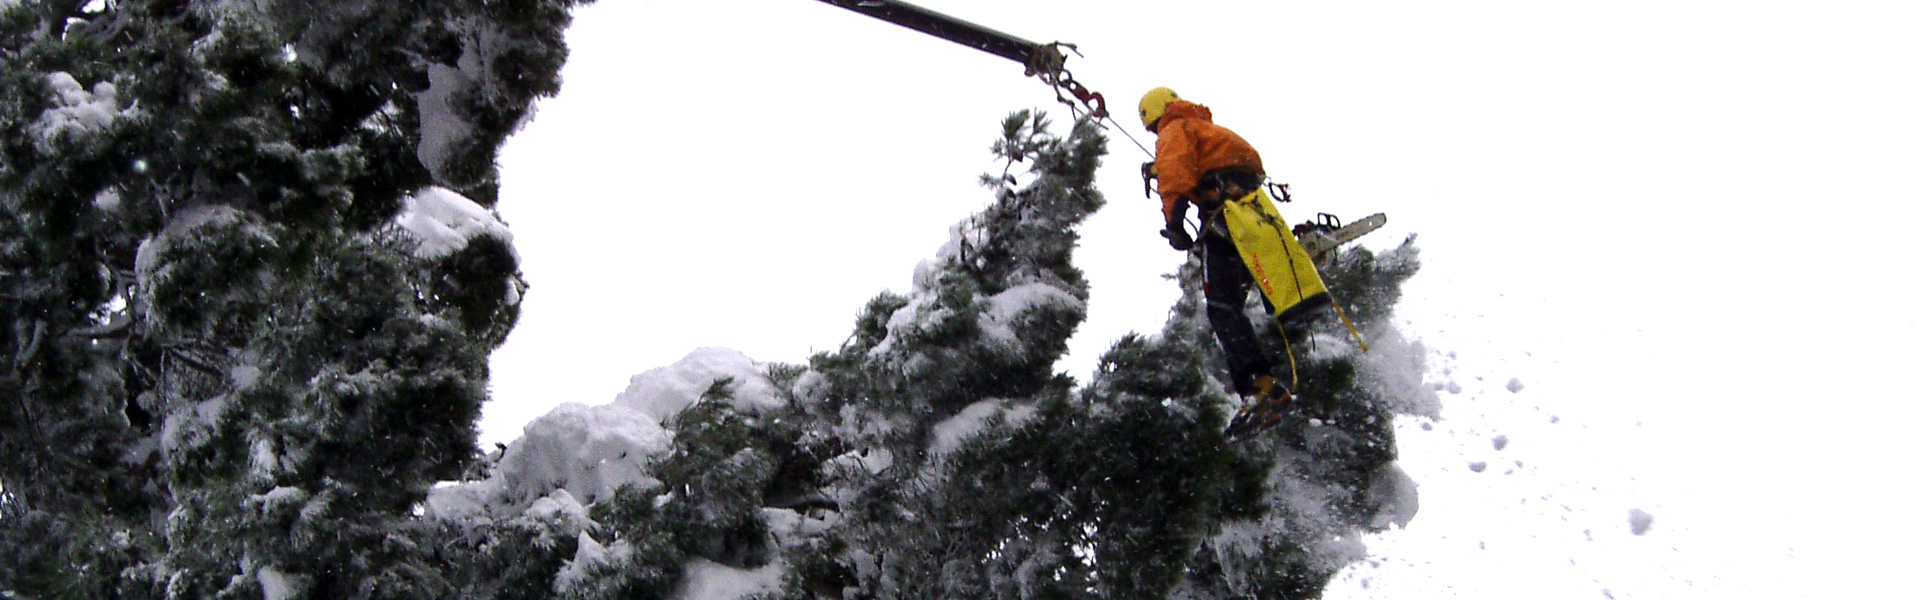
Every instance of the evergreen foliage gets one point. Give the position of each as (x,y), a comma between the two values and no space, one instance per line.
(224,370)
(230,369)
(936,454)
(1124,488)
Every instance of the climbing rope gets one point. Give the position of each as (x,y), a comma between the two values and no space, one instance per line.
(1350,328)
(1048,62)
(1136,142)
(1292,363)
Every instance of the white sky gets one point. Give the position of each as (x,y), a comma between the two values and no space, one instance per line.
(1680,224)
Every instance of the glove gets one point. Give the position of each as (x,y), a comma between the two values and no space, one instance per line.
(1177,237)
(1176,231)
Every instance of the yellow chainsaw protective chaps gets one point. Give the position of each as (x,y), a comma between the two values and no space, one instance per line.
(1280,266)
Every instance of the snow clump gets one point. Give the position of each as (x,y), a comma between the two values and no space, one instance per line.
(1640,521)
(582,454)
(589,451)
(443,221)
(575,451)
(663,392)
(1001,320)
(77,111)
(274,585)
(708,580)
(576,578)
(951,433)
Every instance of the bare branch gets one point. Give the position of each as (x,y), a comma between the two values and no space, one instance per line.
(15,382)
(198,363)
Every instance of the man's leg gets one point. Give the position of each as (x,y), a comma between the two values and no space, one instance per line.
(1227,283)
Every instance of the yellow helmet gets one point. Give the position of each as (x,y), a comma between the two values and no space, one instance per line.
(1154,105)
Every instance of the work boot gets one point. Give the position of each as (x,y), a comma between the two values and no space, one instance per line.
(1263,410)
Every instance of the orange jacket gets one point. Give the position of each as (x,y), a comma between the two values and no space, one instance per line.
(1191,146)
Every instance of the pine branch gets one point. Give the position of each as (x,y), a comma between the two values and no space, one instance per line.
(15,382)
(197,363)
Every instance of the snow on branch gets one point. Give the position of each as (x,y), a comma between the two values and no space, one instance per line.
(443,221)
(77,111)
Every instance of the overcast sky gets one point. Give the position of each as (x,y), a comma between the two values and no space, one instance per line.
(1682,224)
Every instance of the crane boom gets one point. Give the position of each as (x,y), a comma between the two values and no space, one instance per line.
(1041,60)
(944,27)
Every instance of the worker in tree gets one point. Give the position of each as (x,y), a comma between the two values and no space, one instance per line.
(1209,167)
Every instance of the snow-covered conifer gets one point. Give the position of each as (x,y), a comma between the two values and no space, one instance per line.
(1309,489)
(938,454)
(229,364)
(946,405)
(249,278)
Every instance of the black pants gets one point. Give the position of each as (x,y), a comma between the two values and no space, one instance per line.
(1227,284)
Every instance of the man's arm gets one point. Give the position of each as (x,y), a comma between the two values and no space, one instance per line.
(1177,165)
